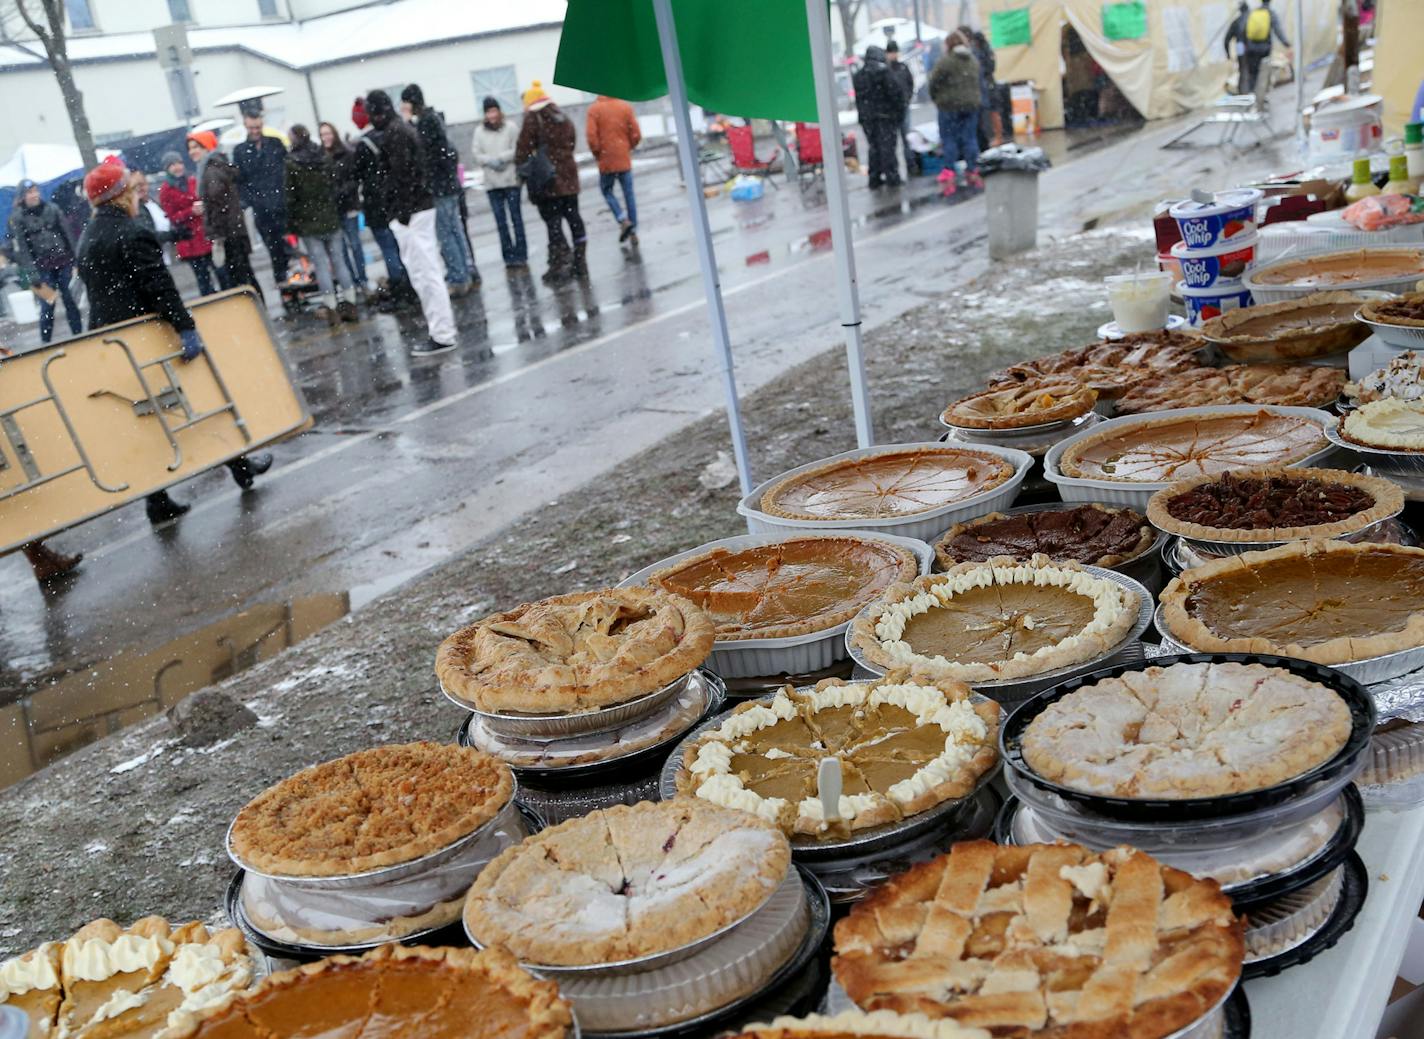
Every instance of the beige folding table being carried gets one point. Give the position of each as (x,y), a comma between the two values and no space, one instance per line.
(101,420)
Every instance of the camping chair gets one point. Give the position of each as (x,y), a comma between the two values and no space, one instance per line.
(810,160)
(744,158)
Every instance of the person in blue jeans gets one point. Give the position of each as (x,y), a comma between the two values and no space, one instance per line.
(956,90)
(348,200)
(612,133)
(44,253)
(493,150)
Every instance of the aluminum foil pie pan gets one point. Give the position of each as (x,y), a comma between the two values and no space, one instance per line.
(1180,554)
(751,658)
(1303,926)
(564,801)
(1033,439)
(1384,461)
(1219,549)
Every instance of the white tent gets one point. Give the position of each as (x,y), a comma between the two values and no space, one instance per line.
(42,163)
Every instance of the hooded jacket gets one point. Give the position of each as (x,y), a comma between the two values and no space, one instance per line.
(222,205)
(878,94)
(343,172)
(612,133)
(954,81)
(369,164)
(176,200)
(311,192)
(122,266)
(550,127)
(404,189)
(41,241)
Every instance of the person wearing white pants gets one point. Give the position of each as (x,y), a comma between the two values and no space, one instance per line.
(412,211)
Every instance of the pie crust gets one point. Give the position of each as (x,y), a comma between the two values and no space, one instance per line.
(793,587)
(905,744)
(575,653)
(1330,602)
(1031,403)
(375,808)
(1093,534)
(1111,366)
(1390,424)
(626,882)
(888,485)
(1172,447)
(1295,385)
(1291,330)
(1276,495)
(856,1024)
(1187,731)
(1406,310)
(1003,619)
(393,991)
(1352,267)
(1044,940)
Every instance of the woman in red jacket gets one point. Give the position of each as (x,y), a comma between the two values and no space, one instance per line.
(178,196)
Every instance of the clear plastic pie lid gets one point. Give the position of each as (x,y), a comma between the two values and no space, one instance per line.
(1290,921)
(1396,754)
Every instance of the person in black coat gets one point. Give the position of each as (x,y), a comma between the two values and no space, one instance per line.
(44,253)
(905,80)
(442,164)
(122,266)
(880,102)
(348,198)
(261,163)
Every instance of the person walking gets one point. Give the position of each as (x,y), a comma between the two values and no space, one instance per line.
(1260,26)
(219,204)
(493,148)
(880,104)
(544,155)
(442,163)
(955,88)
(905,80)
(612,133)
(122,267)
(261,164)
(178,197)
(348,200)
(44,253)
(1235,44)
(411,208)
(313,215)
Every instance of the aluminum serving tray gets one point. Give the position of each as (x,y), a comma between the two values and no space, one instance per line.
(1383,460)
(559,726)
(1012,691)
(1395,337)
(751,658)
(1136,494)
(924,526)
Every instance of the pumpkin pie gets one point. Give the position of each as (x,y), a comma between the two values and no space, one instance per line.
(905,744)
(1315,325)
(1390,425)
(575,653)
(1352,267)
(1172,447)
(888,485)
(1402,378)
(1407,310)
(1274,504)
(1003,619)
(1187,731)
(792,587)
(393,991)
(1297,385)
(856,1024)
(626,882)
(1031,403)
(139,982)
(1093,534)
(1111,367)
(1049,941)
(1328,601)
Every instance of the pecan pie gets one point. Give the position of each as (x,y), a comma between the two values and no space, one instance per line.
(1403,310)
(1093,534)
(1187,731)
(1003,619)
(904,745)
(1031,403)
(886,485)
(1389,424)
(1274,504)
(1173,447)
(625,882)
(1049,941)
(1326,601)
(575,653)
(855,1024)
(1299,385)
(793,587)
(110,981)
(393,991)
(1403,378)
(1112,366)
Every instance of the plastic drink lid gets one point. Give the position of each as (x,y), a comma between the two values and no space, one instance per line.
(1414,133)
(1362,171)
(14,1024)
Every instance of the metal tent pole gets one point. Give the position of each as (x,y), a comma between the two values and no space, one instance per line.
(702,232)
(1300,136)
(822,66)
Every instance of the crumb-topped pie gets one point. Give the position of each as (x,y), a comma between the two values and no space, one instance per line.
(1330,602)
(1390,424)
(1403,378)
(1094,534)
(1274,504)
(886,485)
(626,882)
(1187,731)
(432,993)
(1172,447)
(856,1024)
(792,587)
(141,981)
(1112,366)
(1049,941)
(904,744)
(1031,403)
(575,653)
(1407,310)
(1299,385)
(1003,619)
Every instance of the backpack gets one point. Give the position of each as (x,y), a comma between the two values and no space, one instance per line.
(1258,26)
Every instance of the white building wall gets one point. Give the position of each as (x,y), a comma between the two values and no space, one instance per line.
(118,16)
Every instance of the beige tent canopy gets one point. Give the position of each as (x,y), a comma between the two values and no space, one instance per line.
(1177,65)
(1399,26)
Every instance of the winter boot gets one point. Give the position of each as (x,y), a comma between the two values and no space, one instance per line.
(581,260)
(246,469)
(162,508)
(976,182)
(346,311)
(559,263)
(49,564)
(947,185)
(626,227)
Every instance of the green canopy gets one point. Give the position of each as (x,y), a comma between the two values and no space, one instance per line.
(748,58)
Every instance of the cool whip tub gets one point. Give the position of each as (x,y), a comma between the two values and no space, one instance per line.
(1229,217)
(1220,266)
(1204,304)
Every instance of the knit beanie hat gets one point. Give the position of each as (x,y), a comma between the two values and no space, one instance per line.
(207,140)
(106,182)
(169,158)
(413,95)
(535,98)
(489,102)
(358,114)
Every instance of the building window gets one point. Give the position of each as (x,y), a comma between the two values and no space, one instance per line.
(268,9)
(178,11)
(499,83)
(81,19)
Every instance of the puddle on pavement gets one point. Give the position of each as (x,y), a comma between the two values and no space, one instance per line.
(84,706)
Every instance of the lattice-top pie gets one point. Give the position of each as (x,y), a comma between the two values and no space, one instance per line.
(793,587)
(575,653)
(1038,401)
(1045,940)
(1298,385)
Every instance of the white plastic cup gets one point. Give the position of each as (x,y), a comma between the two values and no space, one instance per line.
(1140,301)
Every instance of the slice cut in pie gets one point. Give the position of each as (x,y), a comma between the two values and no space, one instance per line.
(1390,424)
(1031,403)
(1093,534)
(1049,941)
(904,744)
(793,587)
(856,1024)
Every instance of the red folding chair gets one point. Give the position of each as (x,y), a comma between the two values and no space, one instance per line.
(810,160)
(744,157)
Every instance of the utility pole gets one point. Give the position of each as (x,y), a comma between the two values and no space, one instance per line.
(175,57)
(45,18)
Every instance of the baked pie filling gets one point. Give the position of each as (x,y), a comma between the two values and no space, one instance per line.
(887,485)
(1388,423)
(1299,385)
(1404,310)
(1083,533)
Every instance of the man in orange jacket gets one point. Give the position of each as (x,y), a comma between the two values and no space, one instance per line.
(612,132)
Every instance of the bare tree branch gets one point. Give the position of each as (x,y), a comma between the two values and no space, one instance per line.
(56,46)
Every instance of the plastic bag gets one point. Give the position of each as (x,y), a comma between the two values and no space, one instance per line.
(1378,212)
(747,189)
(1011,157)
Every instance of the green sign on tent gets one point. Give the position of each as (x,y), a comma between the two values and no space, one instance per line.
(1126,20)
(1010,28)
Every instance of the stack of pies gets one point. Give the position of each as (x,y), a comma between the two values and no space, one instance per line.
(1298,385)
(1406,310)
(143,981)
(1031,403)
(1043,940)
(393,991)
(1002,619)
(904,744)
(855,1024)
(1402,378)
(374,846)
(1092,534)
(1387,425)
(1110,367)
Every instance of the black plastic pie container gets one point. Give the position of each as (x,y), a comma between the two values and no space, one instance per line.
(1344,763)
(1354,887)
